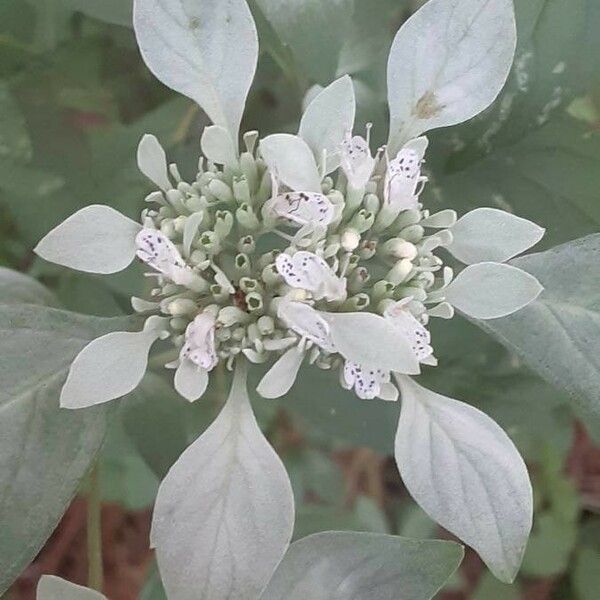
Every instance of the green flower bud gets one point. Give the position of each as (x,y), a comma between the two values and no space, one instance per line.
(219,189)
(270,276)
(231,315)
(382,289)
(350,239)
(358,279)
(400,271)
(211,242)
(223,223)
(412,233)
(176,199)
(362,220)
(168,228)
(266,325)
(357,302)
(367,249)
(247,218)
(399,248)
(371,203)
(246,245)
(241,190)
(242,264)
(178,324)
(181,307)
(254,302)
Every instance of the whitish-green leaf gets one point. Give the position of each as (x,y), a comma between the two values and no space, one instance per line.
(489,234)
(466,473)
(281,376)
(109,367)
(218,146)
(152,162)
(44,451)
(96,239)
(490,290)
(371,341)
(447,63)
(291,160)
(328,119)
(558,335)
(224,513)
(337,565)
(17,288)
(204,49)
(55,588)
(190,380)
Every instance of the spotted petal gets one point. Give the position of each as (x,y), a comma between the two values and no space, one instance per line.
(306,322)
(308,271)
(357,162)
(403,175)
(301,208)
(367,382)
(416,333)
(199,346)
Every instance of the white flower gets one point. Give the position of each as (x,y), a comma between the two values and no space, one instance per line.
(158,251)
(199,346)
(417,334)
(357,161)
(306,270)
(367,383)
(302,208)
(403,180)
(307,323)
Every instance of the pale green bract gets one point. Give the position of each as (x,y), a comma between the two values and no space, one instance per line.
(466,474)
(489,234)
(356,566)
(224,513)
(205,50)
(55,588)
(448,62)
(328,120)
(96,239)
(502,290)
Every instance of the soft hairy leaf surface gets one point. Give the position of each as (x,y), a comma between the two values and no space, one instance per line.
(17,288)
(447,63)
(466,473)
(96,239)
(558,335)
(224,513)
(489,234)
(337,565)
(328,119)
(44,451)
(204,49)
(491,290)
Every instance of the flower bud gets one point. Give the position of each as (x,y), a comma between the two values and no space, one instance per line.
(241,190)
(223,223)
(270,275)
(362,220)
(371,203)
(197,258)
(400,271)
(211,242)
(178,324)
(357,302)
(367,249)
(254,302)
(413,233)
(399,248)
(181,307)
(219,189)
(175,199)
(246,245)
(350,240)
(179,223)
(168,228)
(242,264)
(230,315)
(247,218)
(266,325)
(382,289)
(357,280)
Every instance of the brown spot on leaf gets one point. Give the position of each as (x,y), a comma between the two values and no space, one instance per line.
(427,106)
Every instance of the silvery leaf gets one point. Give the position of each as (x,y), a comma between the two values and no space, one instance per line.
(346,565)
(371,341)
(447,63)
(108,367)
(328,119)
(279,379)
(190,380)
(491,290)
(96,239)
(224,513)
(217,145)
(558,335)
(489,234)
(152,162)
(466,473)
(55,588)
(44,451)
(17,288)
(204,49)
(291,160)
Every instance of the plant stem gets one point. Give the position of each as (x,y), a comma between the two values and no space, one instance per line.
(94,532)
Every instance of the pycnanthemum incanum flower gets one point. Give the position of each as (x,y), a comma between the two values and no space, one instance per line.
(315,248)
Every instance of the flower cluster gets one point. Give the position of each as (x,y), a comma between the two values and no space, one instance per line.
(246,265)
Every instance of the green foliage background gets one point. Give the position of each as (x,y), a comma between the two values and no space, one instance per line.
(75,99)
